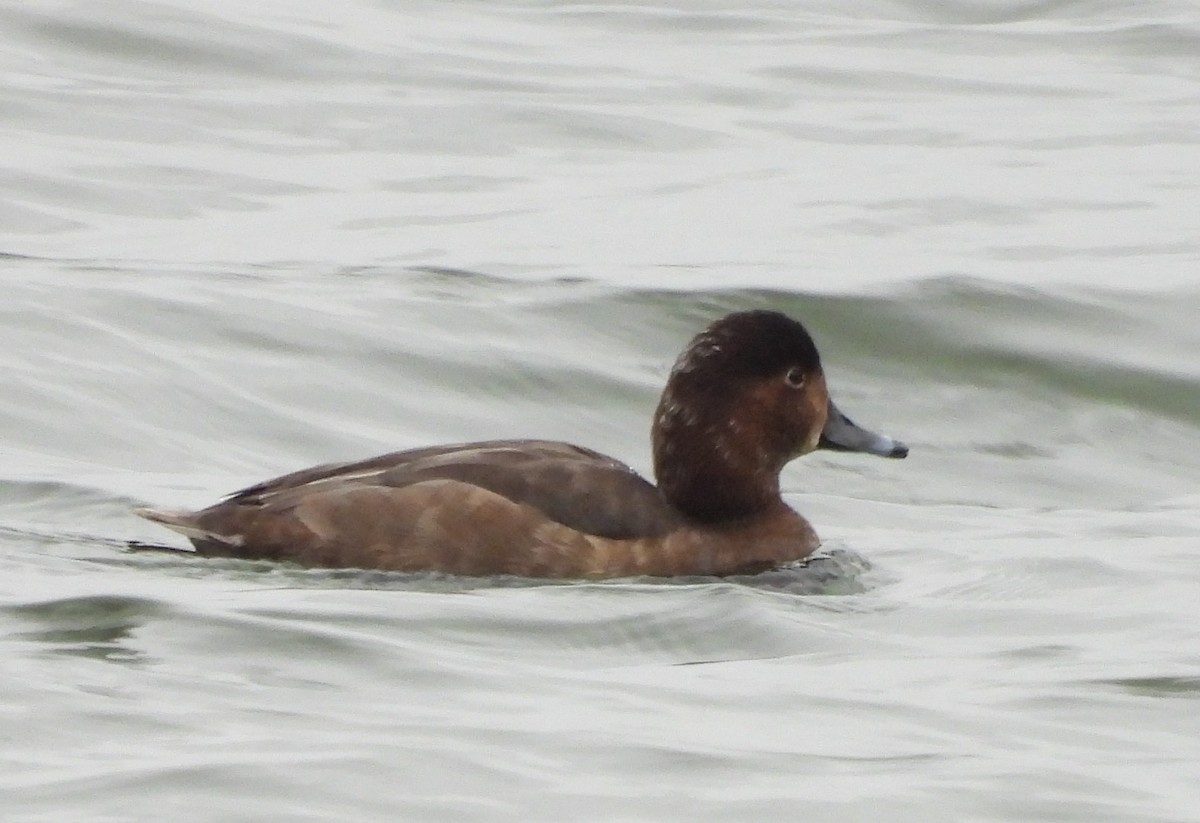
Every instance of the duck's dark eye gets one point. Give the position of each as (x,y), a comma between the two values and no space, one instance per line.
(795,377)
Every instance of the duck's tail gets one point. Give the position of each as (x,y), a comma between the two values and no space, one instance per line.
(186,523)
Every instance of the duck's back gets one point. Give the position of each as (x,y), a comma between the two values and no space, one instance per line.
(452,508)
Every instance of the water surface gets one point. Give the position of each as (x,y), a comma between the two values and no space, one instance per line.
(238,240)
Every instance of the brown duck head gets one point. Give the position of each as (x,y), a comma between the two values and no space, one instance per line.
(744,398)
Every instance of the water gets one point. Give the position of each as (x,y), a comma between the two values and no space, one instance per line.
(242,239)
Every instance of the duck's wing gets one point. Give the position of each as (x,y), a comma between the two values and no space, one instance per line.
(576,487)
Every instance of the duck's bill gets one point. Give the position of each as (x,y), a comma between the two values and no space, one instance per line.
(843,434)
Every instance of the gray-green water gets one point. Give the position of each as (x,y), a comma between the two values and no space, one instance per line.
(246,238)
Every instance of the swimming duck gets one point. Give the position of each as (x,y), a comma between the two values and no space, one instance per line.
(744,398)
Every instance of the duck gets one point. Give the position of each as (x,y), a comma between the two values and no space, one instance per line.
(744,398)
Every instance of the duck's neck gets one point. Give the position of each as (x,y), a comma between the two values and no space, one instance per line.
(711,467)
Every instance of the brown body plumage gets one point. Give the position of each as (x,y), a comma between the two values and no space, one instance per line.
(744,398)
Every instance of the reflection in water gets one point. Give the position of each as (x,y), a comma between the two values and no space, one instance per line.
(99,626)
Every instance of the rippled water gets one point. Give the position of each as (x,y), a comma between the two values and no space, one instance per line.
(240,239)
